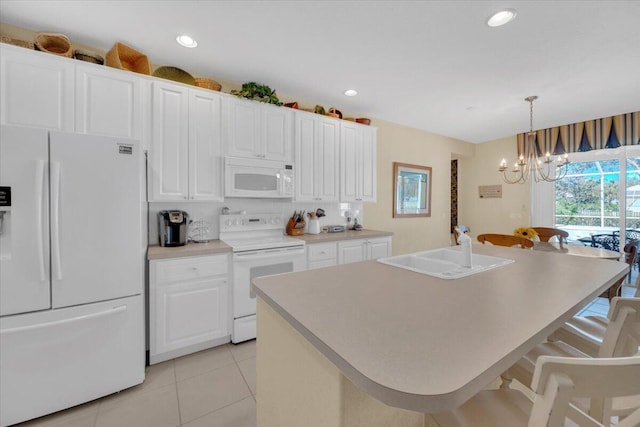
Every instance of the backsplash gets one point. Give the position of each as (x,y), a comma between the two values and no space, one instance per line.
(209,213)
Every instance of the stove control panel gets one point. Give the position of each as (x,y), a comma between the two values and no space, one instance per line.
(249,222)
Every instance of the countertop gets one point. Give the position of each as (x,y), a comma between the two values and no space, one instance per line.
(345,235)
(218,246)
(191,249)
(426,344)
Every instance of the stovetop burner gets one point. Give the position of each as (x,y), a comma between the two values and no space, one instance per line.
(255,232)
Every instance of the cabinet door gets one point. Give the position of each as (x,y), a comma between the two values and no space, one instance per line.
(367,160)
(305,157)
(351,251)
(169,177)
(327,160)
(205,159)
(348,163)
(188,313)
(37,89)
(276,133)
(243,129)
(108,101)
(379,248)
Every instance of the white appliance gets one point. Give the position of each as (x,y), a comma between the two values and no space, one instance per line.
(71,270)
(257,178)
(259,249)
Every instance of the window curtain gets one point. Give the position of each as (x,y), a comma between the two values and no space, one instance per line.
(610,132)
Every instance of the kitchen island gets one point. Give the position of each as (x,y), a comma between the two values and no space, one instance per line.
(375,345)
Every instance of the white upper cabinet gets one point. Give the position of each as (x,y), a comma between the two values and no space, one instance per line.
(357,163)
(316,148)
(108,101)
(169,151)
(257,130)
(185,153)
(205,146)
(37,89)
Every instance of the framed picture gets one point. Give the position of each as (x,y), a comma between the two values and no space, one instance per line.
(411,190)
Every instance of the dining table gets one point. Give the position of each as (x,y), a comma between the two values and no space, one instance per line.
(576,250)
(373,344)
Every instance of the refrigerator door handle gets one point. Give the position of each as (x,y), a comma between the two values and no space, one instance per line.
(111,312)
(55,219)
(40,180)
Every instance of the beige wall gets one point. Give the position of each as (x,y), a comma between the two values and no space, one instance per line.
(398,143)
(499,215)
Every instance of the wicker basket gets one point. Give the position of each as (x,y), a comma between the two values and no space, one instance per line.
(55,43)
(85,55)
(126,58)
(207,83)
(16,42)
(334,112)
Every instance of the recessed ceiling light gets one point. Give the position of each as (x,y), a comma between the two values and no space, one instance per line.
(502,17)
(186,41)
(350,92)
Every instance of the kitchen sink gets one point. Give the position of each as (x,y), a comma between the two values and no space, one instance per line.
(445,263)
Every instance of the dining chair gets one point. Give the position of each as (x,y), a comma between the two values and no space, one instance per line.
(630,253)
(557,383)
(621,338)
(586,333)
(505,240)
(545,233)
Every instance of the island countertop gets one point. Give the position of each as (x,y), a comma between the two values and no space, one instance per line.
(426,344)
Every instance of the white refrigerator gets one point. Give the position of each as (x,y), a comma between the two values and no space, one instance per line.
(71,270)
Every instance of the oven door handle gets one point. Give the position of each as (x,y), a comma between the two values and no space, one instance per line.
(267,253)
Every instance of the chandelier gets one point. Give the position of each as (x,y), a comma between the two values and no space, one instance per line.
(529,164)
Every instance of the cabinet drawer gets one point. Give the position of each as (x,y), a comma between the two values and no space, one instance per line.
(189,268)
(322,251)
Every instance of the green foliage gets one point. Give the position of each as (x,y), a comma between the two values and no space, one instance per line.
(257,92)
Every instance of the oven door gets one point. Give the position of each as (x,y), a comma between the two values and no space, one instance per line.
(252,264)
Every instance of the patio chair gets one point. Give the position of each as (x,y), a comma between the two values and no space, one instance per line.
(546,233)
(606,241)
(621,339)
(557,382)
(505,240)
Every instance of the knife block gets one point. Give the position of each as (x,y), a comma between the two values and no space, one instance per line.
(292,230)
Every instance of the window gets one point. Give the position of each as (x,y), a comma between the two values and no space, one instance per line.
(599,194)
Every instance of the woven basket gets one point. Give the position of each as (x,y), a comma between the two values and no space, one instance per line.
(16,42)
(85,55)
(55,43)
(126,58)
(333,112)
(207,83)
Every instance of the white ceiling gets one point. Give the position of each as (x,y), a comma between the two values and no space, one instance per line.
(432,65)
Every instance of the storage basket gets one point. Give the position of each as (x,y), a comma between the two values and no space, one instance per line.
(16,42)
(85,55)
(126,58)
(207,83)
(55,43)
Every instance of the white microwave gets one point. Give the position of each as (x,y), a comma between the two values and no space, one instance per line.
(257,178)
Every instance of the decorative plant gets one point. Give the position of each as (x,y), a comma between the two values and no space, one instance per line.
(257,92)
(526,232)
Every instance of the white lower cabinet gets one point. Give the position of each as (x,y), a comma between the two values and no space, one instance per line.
(188,305)
(322,255)
(347,251)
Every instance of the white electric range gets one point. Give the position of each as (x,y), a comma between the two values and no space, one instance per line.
(260,248)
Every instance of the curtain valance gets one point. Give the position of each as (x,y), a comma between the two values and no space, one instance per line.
(610,132)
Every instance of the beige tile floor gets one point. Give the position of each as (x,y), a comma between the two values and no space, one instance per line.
(212,388)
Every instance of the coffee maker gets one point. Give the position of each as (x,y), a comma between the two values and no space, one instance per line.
(172,228)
